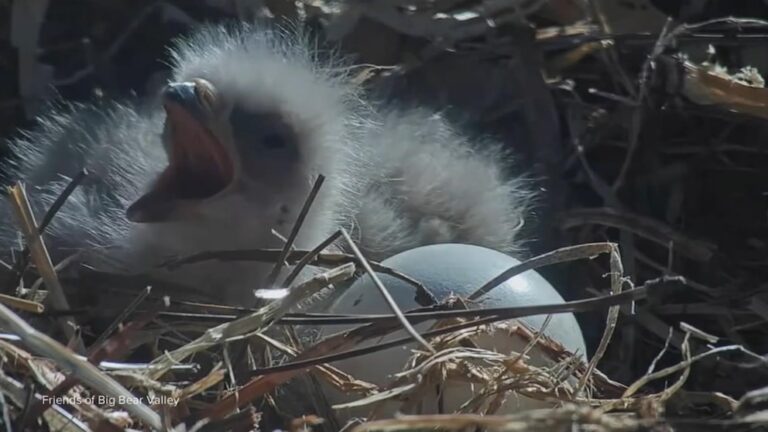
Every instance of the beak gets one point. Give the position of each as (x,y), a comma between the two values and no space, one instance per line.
(184,95)
(153,207)
(199,165)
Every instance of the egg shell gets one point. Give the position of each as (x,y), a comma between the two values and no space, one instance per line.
(445,270)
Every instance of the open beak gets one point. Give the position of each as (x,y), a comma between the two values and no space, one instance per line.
(199,165)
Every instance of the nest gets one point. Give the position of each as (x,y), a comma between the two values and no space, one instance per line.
(656,173)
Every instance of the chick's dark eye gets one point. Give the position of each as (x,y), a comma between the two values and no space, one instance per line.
(262,130)
(264,137)
(273,141)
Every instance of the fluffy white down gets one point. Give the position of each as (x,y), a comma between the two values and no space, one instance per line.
(114,143)
(396,178)
(430,183)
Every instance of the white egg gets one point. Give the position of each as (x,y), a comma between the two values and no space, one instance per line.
(448,269)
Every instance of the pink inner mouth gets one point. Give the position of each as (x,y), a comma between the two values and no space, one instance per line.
(199,166)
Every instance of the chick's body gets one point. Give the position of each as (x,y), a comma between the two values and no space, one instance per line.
(114,143)
(253,118)
(429,183)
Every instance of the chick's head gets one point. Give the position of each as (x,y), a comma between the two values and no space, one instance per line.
(252,118)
